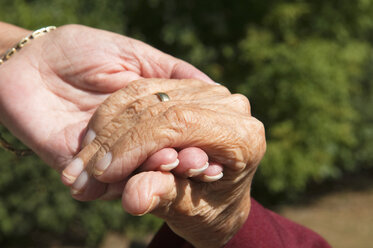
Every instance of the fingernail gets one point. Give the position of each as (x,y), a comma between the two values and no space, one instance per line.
(155,201)
(168,167)
(208,179)
(80,183)
(73,170)
(102,164)
(196,172)
(89,137)
(218,83)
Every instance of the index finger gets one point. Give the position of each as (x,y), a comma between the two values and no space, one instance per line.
(233,147)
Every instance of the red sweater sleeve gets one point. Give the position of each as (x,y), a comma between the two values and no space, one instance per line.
(263,228)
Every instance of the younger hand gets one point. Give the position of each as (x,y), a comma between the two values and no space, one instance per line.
(52,86)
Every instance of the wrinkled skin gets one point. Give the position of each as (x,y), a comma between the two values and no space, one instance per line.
(200,115)
(51,88)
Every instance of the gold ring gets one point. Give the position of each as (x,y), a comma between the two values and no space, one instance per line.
(163,97)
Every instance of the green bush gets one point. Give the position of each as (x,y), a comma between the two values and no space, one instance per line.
(303,91)
(306,67)
(33,200)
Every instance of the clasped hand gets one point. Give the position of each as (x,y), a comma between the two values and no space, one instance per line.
(132,125)
(51,88)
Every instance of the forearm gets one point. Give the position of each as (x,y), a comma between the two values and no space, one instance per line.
(10,35)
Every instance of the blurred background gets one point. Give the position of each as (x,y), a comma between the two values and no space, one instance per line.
(307,68)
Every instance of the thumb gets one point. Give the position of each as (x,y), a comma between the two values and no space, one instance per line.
(110,82)
(147,191)
(184,70)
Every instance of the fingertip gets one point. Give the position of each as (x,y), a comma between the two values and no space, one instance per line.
(183,70)
(213,173)
(198,171)
(169,167)
(193,161)
(214,169)
(205,78)
(80,183)
(164,160)
(155,200)
(67,179)
(144,191)
(72,171)
(101,165)
(113,167)
(137,195)
(209,179)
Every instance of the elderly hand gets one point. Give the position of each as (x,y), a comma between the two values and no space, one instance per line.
(51,87)
(200,115)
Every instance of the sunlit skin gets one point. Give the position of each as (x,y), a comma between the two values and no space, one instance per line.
(200,115)
(51,88)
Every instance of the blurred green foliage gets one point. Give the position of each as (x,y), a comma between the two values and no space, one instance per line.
(306,66)
(33,201)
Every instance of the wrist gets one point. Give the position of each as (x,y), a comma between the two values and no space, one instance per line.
(10,35)
(228,224)
(219,229)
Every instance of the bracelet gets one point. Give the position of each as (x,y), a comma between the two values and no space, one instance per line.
(36,34)
(18,152)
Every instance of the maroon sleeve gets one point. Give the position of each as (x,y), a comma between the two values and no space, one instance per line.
(263,228)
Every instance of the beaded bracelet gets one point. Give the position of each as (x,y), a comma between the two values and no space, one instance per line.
(24,41)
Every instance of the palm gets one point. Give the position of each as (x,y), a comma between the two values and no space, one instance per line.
(65,76)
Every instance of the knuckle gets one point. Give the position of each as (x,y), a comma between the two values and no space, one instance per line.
(177,118)
(241,102)
(255,140)
(138,87)
(151,112)
(98,141)
(135,134)
(259,128)
(106,137)
(172,114)
(161,124)
(101,145)
(108,132)
(177,114)
(221,89)
(111,105)
(105,148)
(262,138)
(137,106)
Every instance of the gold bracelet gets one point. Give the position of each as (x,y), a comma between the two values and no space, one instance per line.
(36,34)
(18,152)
